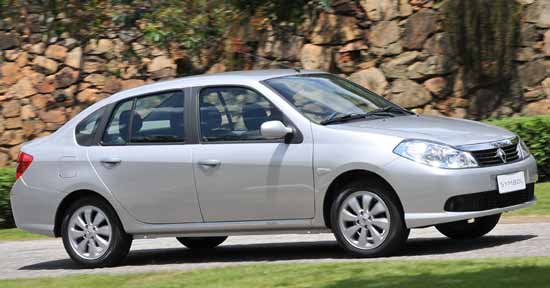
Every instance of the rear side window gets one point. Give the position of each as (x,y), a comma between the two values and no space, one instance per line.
(117,131)
(157,118)
(162,119)
(85,130)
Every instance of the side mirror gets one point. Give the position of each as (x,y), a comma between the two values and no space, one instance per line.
(275,130)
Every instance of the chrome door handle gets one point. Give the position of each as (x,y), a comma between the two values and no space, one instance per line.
(210,163)
(111,161)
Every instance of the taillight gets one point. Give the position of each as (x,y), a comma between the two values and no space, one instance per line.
(23,162)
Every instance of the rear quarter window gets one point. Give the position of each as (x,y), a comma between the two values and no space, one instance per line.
(86,129)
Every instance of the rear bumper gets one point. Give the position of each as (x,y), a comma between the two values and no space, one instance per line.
(424,190)
(33,209)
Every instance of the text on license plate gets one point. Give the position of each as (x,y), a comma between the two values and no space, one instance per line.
(511,182)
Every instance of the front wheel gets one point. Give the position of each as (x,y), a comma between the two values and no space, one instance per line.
(469,229)
(201,242)
(366,220)
(93,235)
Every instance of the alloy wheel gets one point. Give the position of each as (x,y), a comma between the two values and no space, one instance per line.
(364,219)
(90,232)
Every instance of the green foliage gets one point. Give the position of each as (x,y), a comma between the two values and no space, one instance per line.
(155,34)
(116,72)
(203,24)
(190,24)
(535,132)
(7,177)
(82,19)
(484,35)
(542,208)
(14,234)
(193,24)
(275,11)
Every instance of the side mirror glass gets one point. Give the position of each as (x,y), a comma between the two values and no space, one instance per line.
(275,130)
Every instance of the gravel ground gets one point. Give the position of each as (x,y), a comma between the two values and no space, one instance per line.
(39,258)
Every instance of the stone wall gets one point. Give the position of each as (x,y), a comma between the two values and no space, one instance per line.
(397,48)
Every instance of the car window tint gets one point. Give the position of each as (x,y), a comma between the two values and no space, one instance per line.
(85,130)
(234,113)
(117,131)
(157,118)
(161,119)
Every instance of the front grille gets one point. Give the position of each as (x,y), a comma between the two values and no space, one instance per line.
(489,200)
(491,156)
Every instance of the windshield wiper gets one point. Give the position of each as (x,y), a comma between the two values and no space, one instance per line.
(388,111)
(342,118)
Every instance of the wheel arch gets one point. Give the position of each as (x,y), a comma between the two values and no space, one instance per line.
(69,199)
(354,175)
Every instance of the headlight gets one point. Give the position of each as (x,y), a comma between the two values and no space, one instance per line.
(434,154)
(523,149)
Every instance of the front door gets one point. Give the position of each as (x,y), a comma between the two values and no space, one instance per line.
(145,162)
(240,175)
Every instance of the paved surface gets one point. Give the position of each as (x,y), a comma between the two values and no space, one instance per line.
(47,257)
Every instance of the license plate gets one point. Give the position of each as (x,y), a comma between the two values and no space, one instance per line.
(511,182)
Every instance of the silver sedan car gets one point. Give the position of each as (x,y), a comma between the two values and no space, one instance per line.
(274,151)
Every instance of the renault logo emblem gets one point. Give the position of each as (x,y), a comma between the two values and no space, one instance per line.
(501,154)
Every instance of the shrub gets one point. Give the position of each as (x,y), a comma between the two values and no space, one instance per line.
(7,177)
(535,132)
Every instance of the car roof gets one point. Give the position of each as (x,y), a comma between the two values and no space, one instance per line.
(223,78)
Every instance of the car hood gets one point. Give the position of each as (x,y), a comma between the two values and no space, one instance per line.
(450,131)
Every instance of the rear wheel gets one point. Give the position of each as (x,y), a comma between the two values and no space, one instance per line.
(201,242)
(93,235)
(469,229)
(367,221)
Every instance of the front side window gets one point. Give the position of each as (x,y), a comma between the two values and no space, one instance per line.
(234,114)
(157,118)
(85,130)
(321,97)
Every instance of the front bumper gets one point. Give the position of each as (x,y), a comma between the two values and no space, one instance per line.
(416,220)
(424,190)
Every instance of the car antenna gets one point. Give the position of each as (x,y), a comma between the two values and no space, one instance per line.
(297,69)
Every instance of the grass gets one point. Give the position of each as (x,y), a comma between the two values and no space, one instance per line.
(487,273)
(542,208)
(15,234)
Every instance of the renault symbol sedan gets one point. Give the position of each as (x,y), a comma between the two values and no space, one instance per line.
(264,152)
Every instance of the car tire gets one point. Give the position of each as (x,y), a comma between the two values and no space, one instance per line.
(93,235)
(200,243)
(464,230)
(381,204)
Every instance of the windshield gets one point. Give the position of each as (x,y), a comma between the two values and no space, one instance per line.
(321,97)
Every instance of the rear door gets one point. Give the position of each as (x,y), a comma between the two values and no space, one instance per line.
(144,160)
